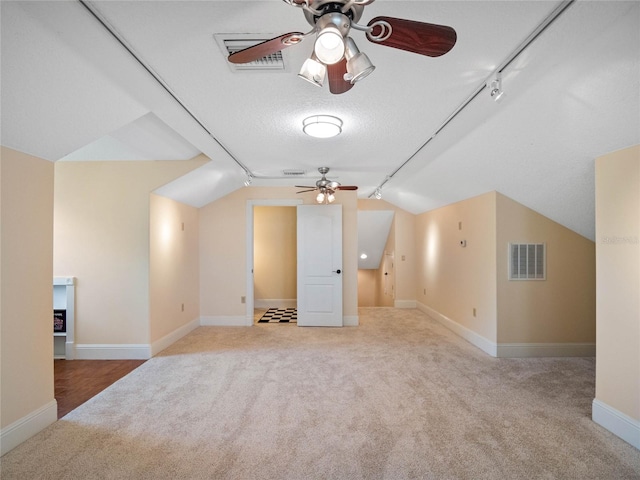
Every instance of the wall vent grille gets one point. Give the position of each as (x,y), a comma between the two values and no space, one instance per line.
(527,261)
(274,61)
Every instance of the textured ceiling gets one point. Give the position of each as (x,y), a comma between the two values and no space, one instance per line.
(70,89)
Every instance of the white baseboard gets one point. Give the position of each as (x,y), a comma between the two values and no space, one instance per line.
(472,337)
(113,351)
(523,350)
(512,350)
(350,321)
(226,321)
(13,435)
(177,334)
(405,304)
(621,425)
(275,303)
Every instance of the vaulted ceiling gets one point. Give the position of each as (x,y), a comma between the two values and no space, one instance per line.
(149,80)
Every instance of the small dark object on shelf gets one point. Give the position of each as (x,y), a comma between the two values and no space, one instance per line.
(59,320)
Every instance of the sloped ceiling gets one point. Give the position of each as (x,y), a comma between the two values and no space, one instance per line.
(70,90)
(373,231)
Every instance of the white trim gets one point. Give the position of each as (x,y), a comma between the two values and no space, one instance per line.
(276,302)
(13,435)
(226,321)
(350,321)
(621,425)
(177,334)
(472,337)
(523,350)
(123,351)
(405,304)
(70,306)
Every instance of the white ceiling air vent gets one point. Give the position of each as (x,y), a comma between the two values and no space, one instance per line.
(293,172)
(231,44)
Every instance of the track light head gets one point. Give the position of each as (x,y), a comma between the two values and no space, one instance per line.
(495,87)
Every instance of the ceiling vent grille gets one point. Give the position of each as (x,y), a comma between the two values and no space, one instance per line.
(271,62)
(293,173)
(527,261)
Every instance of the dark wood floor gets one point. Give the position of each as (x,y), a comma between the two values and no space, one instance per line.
(76,381)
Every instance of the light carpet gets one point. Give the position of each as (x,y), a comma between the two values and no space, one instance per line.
(398,397)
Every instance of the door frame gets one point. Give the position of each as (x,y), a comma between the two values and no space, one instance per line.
(275,202)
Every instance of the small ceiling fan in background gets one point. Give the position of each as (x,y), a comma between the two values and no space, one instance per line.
(334,50)
(326,188)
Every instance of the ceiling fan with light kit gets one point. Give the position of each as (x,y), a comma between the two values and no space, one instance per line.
(335,53)
(326,188)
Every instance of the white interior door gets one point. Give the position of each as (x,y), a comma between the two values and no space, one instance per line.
(319,265)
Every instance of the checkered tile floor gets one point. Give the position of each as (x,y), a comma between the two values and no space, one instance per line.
(280,315)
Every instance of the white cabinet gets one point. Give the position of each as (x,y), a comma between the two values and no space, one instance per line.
(64,296)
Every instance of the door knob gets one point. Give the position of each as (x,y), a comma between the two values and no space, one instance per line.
(337,271)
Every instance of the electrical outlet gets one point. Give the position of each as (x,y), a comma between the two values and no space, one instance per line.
(403,258)
(243,299)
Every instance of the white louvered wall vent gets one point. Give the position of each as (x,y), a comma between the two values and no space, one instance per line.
(273,62)
(527,261)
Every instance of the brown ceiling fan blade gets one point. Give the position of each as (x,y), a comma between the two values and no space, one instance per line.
(265,48)
(337,83)
(347,187)
(417,37)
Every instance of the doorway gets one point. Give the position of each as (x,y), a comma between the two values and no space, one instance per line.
(275,263)
(265,270)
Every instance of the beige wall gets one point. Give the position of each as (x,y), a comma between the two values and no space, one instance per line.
(101,236)
(453,280)
(174,266)
(274,253)
(560,309)
(402,244)
(223,249)
(367,288)
(618,281)
(26,192)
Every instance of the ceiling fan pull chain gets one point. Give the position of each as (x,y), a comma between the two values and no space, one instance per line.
(385,31)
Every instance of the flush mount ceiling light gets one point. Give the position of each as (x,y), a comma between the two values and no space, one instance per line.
(335,50)
(322,126)
(363,256)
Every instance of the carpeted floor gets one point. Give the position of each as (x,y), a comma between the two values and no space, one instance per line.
(397,397)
